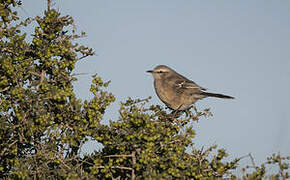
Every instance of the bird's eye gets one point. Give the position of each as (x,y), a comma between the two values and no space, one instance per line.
(160,72)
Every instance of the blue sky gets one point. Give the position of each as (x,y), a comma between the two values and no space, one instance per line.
(239,48)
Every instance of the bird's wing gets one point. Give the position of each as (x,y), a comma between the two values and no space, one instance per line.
(187,84)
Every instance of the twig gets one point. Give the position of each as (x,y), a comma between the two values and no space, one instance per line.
(5,149)
(117,178)
(280,164)
(48,5)
(5,89)
(134,158)
(34,73)
(125,155)
(133,176)
(42,76)
(134,165)
(78,74)
(121,167)
(116,167)
(253,162)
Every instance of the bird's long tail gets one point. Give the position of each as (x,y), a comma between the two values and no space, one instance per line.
(217,95)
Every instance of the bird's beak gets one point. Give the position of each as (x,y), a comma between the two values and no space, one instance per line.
(150,71)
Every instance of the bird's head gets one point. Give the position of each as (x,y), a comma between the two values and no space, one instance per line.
(160,71)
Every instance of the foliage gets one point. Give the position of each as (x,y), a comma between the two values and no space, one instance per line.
(149,143)
(44,124)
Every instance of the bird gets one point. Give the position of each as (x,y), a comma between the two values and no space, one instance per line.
(176,91)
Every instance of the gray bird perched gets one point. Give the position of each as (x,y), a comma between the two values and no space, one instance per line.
(176,91)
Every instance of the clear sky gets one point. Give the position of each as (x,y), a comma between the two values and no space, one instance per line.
(240,48)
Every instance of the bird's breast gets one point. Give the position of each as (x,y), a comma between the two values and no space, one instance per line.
(167,94)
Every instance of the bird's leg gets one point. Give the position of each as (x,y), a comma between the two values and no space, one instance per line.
(177,111)
(174,114)
(187,112)
(187,115)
